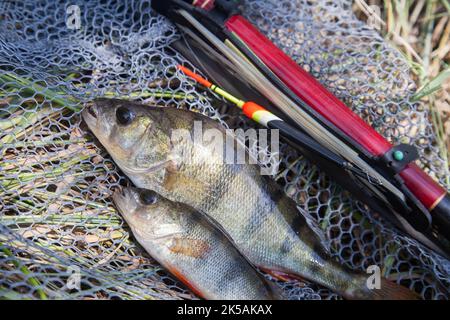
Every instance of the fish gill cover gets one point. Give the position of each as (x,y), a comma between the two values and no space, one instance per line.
(60,235)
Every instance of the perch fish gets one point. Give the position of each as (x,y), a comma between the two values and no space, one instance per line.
(265,225)
(191,248)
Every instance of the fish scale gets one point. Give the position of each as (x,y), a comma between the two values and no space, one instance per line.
(235,196)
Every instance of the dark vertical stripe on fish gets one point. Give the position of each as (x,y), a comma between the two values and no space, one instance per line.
(220,186)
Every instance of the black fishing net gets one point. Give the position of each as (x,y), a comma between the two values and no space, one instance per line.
(60,235)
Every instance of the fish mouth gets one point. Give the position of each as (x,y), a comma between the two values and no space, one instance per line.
(90,114)
(147,170)
(121,197)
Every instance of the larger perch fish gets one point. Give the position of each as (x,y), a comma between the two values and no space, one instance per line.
(266,226)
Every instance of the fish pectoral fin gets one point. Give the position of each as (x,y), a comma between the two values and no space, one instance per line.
(173,177)
(170,177)
(195,248)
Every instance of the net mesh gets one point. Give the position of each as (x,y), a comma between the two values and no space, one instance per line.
(60,235)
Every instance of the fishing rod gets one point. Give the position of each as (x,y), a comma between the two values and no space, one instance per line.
(357,182)
(422,203)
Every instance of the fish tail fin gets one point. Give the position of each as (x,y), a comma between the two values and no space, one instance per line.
(392,291)
(388,291)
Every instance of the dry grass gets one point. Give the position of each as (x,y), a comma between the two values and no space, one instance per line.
(421,31)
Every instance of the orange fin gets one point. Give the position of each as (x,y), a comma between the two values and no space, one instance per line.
(279,275)
(177,274)
(189,247)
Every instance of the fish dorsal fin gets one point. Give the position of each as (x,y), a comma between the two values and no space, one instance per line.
(216,225)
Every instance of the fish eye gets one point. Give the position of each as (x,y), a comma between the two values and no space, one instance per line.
(124,115)
(148,197)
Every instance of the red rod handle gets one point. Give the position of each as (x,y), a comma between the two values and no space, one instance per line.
(331,108)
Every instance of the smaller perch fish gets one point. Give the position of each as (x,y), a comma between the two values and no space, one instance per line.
(191,248)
